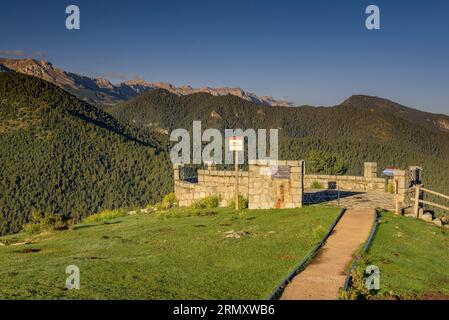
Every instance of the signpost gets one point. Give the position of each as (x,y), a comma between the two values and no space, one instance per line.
(236,145)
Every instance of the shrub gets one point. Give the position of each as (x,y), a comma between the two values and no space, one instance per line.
(31,228)
(207,203)
(316,185)
(106,215)
(54,222)
(243,202)
(326,163)
(169,201)
(45,221)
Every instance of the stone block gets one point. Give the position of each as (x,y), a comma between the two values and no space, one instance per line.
(427,217)
(293,164)
(437,222)
(253,168)
(295,184)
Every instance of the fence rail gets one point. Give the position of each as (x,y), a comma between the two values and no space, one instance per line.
(434,205)
(435,193)
(418,201)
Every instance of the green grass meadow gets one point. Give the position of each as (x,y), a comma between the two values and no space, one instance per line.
(413,258)
(172,255)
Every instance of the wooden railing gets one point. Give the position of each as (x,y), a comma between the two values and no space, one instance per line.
(418,200)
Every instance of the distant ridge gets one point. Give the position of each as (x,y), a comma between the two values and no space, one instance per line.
(432,121)
(102,91)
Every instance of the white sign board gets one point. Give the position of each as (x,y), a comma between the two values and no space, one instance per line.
(236,143)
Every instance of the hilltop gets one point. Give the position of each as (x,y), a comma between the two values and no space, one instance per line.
(432,121)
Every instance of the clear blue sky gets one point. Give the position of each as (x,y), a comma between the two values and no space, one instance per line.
(311,52)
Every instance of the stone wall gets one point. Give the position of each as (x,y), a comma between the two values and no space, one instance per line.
(210,182)
(404,187)
(267,184)
(368,182)
(276,184)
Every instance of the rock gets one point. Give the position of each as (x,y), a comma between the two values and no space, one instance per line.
(18,244)
(437,222)
(236,235)
(445,219)
(427,217)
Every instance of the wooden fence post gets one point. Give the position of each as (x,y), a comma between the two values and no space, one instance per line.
(416,205)
(396,195)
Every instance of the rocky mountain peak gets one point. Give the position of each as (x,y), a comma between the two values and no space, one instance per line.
(102,91)
(104,83)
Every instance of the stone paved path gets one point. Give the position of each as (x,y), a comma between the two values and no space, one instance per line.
(351,199)
(323,278)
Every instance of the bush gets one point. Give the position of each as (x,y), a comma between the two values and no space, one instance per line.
(169,201)
(31,228)
(207,203)
(326,163)
(243,203)
(106,215)
(54,222)
(45,221)
(316,185)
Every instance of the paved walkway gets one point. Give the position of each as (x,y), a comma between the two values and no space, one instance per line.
(351,199)
(323,278)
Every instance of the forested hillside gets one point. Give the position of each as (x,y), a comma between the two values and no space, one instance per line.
(61,155)
(356,133)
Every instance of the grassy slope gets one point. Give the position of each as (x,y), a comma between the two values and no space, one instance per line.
(159,257)
(412,255)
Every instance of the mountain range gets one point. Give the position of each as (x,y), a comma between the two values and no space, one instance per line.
(102,92)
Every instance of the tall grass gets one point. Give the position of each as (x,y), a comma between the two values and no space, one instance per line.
(106,215)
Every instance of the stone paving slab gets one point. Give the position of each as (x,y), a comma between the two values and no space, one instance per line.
(351,199)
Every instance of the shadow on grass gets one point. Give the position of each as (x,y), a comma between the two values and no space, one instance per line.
(91,225)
